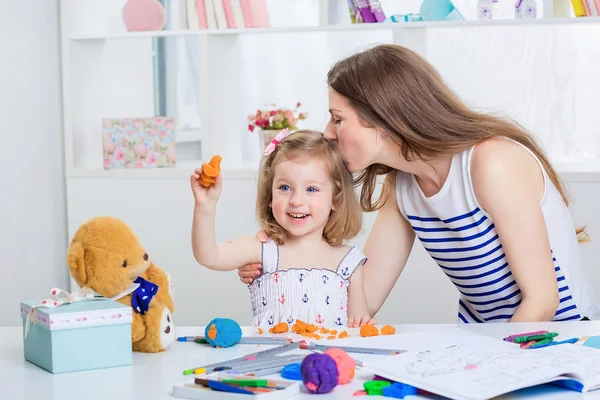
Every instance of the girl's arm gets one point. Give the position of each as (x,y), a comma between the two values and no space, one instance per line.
(509,186)
(222,256)
(358,311)
(388,247)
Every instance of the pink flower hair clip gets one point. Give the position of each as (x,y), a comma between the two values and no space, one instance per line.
(273,145)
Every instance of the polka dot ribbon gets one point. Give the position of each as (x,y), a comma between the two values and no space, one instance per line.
(57,298)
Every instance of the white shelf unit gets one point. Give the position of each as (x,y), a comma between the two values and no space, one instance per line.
(531,68)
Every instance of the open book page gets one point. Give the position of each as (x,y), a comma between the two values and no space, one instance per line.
(580,363)
(481,370)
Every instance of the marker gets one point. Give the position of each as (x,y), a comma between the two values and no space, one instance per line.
(247,340)
(265,369)
(362,350)
(244,359)
(257,365)
(187,338)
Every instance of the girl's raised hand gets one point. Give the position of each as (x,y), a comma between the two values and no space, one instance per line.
(205,197)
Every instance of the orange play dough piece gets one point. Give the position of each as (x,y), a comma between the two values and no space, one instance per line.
(212,332)
(210,171)
(343,334)
(260,331)
(281,327)
(388,330)
(369,330)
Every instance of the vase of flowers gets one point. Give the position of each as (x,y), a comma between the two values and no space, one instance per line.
(269,121)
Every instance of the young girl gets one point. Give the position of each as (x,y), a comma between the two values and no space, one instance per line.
(307,206)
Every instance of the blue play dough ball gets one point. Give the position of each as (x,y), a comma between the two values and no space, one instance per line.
(292,372)
(228,332)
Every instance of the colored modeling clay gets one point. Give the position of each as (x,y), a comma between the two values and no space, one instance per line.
(346,365)
(319,373)
(222,332)
(210,171)
(388,330)
(369,330)
(281,327)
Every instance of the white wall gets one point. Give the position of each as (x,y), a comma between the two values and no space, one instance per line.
(33,234)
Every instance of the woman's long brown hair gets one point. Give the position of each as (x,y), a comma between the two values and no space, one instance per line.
(395,89)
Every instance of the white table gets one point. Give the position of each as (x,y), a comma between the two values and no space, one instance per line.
(152,375)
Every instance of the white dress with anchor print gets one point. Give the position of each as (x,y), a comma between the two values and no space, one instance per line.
(317,296)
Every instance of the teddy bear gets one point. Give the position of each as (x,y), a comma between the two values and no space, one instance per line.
(106,256)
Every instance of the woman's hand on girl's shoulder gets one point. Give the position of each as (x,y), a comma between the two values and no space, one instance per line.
(249,272)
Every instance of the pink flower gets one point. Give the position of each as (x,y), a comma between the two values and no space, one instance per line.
(273,112)
(251,128)
(291,120)
(163,134)
(169,125)
(298,105)
(151,159)
(265,115)
(277,117)
(302,116)
(250,117)
(119,155)
(139,164)
(107,162)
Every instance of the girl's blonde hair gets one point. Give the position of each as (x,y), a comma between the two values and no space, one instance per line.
(346,221)
(395,89)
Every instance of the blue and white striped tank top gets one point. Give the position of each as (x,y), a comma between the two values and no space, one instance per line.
(460,236)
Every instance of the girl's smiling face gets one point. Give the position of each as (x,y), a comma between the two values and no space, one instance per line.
(302,196)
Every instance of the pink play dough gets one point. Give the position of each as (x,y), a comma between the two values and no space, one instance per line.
(144,15)
(345,364)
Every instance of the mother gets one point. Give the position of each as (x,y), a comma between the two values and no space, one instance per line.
(476,190)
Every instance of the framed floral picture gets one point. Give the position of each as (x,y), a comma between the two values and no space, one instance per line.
(138,142)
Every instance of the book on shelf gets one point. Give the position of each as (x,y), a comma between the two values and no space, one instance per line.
(226,14)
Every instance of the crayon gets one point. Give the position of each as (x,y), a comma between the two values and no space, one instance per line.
(551,343)
(511,338)
(222,387)
(537,338)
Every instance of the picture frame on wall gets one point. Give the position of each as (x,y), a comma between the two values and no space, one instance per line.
(139,142)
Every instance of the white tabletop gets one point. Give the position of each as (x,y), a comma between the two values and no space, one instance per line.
(151,376)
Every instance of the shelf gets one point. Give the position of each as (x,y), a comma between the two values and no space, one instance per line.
(183,170)
(328,28)
(570,171)
(188,136)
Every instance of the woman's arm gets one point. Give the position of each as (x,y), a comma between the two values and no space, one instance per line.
(509,186)
(388,247)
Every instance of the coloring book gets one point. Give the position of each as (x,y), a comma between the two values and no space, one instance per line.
(488,367)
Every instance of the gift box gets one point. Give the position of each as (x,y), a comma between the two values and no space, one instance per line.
(77,336)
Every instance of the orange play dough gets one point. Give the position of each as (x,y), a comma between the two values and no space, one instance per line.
(212,332)
(281,327)
(369,330)
(388,330)
(210,171)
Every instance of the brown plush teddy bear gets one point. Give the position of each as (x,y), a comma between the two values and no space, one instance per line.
(107,257)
